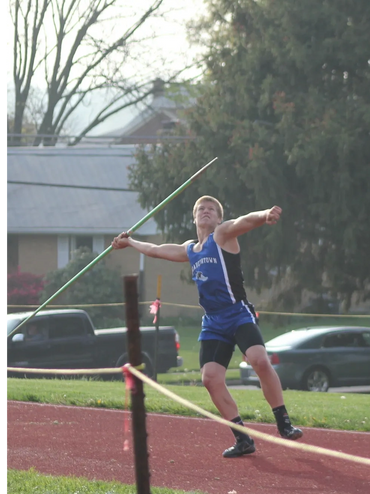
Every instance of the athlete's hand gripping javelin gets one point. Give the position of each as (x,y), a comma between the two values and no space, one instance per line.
(121,241)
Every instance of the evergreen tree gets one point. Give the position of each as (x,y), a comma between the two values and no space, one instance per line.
(285,105)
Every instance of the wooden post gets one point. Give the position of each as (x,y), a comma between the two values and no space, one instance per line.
(159,285)
(137,393)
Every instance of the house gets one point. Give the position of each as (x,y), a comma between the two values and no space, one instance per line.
(157,119)
(62,198)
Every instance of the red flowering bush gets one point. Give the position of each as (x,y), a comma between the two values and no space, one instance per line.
(24,288)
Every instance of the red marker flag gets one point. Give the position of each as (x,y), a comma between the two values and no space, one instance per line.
(154,307)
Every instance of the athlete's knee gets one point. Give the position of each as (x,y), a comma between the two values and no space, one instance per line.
(261,364)
(212,379)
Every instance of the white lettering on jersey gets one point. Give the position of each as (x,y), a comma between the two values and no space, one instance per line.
(207,260)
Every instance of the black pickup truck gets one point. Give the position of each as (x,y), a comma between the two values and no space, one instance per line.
(67,339)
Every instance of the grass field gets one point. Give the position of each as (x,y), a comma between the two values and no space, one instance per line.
(327,410)
(32,482)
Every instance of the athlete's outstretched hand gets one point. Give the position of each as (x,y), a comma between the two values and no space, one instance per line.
(120,242)
(273,215)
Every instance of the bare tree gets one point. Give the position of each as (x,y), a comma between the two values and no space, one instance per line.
(66,40)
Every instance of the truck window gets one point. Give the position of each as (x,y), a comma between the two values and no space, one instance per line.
(366,337)
(64,327)
(35,330)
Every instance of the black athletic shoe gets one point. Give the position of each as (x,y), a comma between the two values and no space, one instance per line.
(240,448)
(291,433)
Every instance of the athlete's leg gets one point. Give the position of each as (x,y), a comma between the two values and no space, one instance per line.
(214,358)
(250,342)
(270,382)
(213,378)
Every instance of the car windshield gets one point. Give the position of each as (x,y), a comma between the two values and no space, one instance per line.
(292,338)
(12,323)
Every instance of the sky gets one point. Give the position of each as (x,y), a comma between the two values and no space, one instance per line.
(172,44)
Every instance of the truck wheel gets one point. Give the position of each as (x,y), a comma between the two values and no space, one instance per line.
(148,371)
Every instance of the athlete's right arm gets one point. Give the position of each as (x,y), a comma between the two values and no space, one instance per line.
(169,252)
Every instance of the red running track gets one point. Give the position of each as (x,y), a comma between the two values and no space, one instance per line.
(184,453)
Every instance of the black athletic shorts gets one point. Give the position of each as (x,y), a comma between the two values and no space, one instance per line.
(246,335)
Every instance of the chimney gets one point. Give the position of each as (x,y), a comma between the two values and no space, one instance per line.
(158,87)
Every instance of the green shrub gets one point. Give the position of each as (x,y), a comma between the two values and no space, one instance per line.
(99,285)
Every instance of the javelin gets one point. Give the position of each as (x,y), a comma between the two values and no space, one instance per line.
(129,232)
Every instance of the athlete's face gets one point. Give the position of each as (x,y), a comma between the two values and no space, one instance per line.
(207,214)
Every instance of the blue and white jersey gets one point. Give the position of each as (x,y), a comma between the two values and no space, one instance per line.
(218,276)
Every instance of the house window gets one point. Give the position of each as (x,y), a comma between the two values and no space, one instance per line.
(84,241)
(67,244)
(169,124)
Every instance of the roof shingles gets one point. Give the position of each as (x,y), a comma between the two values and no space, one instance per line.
(49,209)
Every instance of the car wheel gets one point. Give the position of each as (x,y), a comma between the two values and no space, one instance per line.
(316,379)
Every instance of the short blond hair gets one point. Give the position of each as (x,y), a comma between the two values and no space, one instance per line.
(219,208)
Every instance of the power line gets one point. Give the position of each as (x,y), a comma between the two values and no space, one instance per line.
(41,184)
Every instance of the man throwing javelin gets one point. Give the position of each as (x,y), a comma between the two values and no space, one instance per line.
(229,318)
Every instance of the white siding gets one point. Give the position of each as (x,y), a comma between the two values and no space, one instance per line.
(98,243)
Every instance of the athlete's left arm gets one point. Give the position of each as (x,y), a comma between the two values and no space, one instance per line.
(234,228)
